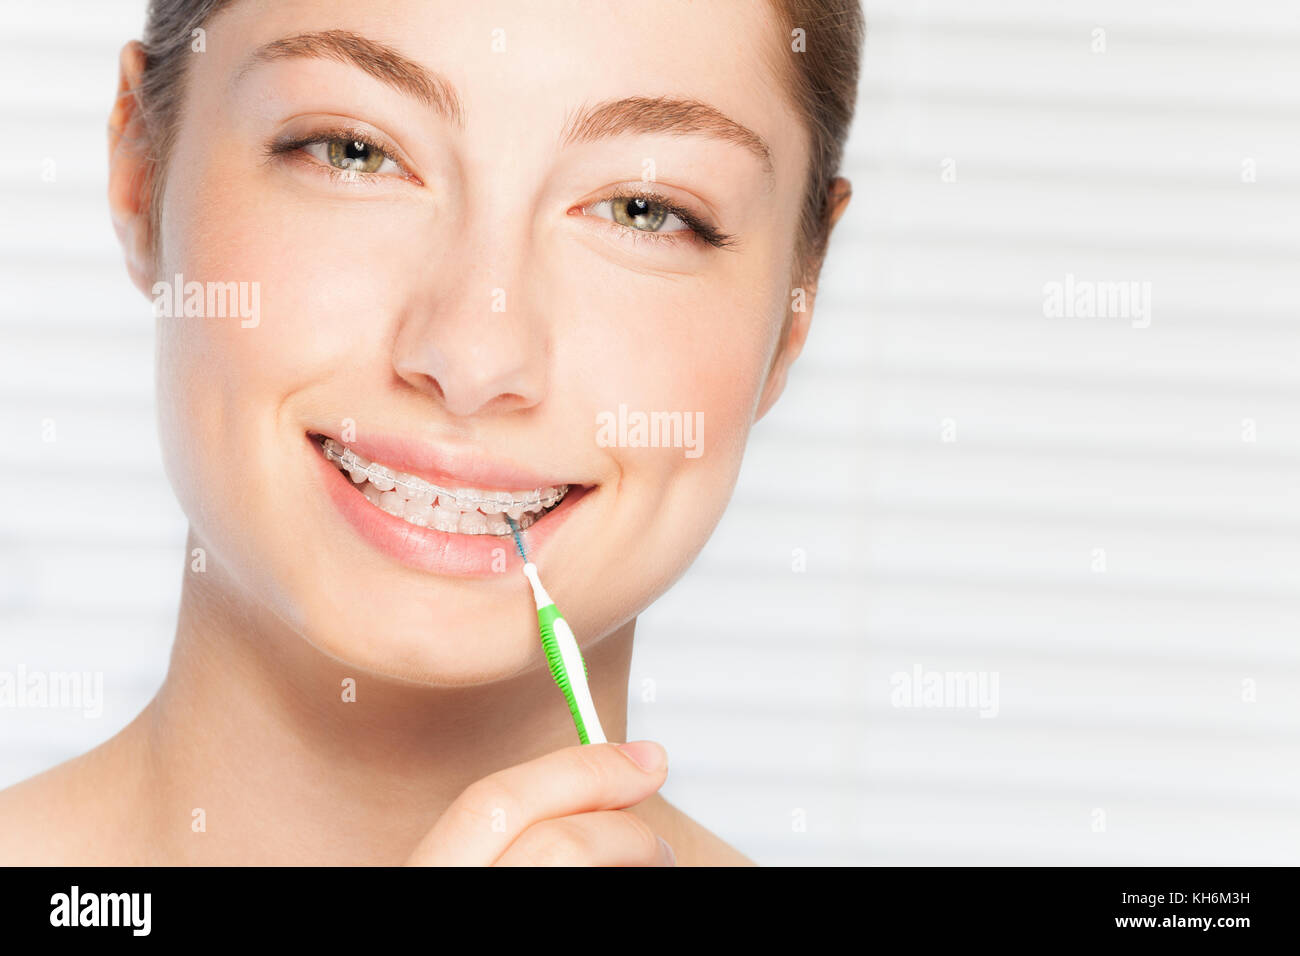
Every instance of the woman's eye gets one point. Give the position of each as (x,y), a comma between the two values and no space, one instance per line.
(352,155)
(639,213)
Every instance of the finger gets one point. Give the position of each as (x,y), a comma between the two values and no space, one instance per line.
(494,811)
(603,838)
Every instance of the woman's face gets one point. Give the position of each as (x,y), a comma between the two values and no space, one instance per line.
(443,269)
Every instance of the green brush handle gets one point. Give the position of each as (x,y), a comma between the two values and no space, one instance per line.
(564,658)
(546,618)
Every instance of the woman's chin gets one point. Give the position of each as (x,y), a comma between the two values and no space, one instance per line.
(415,645)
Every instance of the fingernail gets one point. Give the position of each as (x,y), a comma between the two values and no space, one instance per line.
(646,754)
(670,858)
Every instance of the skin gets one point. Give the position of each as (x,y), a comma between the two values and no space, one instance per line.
(376,307)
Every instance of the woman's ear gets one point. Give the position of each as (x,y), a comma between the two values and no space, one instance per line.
(837,200)
(129,182)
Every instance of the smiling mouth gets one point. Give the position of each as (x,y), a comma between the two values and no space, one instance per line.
(470,511)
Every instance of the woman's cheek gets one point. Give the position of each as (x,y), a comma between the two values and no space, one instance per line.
(228,384)
(695,357)
(696,343)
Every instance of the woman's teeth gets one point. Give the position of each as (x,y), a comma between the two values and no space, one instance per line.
(453,510)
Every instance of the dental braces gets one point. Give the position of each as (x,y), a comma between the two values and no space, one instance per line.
(418,489)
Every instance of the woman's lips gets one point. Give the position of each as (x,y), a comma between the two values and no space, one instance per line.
(439,552)
(446,465)
(463,510)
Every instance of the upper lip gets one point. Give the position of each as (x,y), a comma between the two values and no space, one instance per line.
(447,465)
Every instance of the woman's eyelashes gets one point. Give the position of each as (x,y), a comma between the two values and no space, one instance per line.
(351,156)
(646,215)
(345,155)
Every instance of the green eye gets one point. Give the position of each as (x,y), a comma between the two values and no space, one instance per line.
(639,213)
(655,217)
(347,155)
(354,155)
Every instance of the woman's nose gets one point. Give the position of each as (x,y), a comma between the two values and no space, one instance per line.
(475,348)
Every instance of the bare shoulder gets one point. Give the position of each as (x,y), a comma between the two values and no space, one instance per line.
(36,815)
(694,844)
(65,816)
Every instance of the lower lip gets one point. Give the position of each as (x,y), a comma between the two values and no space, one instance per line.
(437,552)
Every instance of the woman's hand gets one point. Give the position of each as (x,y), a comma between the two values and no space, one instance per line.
(563,809)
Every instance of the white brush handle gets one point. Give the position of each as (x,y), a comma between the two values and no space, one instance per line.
(572,657)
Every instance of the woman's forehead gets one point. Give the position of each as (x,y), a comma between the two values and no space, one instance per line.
(546,68)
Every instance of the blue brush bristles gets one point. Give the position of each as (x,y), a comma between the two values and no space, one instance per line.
(519,542)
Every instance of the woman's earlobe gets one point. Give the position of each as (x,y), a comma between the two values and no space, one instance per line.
(794,334)
(837,200)
(129,183)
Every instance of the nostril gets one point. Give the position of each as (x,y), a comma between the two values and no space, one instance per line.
(425,370)
(431,385)
(480,379)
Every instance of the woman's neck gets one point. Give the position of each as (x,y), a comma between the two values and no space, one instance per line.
(252,734)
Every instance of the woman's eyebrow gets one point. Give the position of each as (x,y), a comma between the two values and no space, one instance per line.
(632,114)
(661,114)
(379,60)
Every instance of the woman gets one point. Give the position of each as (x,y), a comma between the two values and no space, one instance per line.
(410,265)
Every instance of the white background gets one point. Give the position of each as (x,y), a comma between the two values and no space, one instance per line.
(1121,692)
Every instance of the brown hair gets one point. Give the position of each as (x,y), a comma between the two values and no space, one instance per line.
(821,61)
(822,40)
